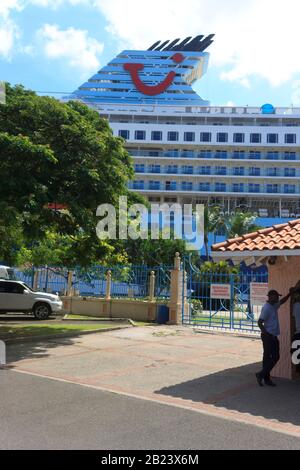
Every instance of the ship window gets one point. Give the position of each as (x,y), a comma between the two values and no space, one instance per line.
(221,170)
(239,138)
(220,187)
(254,188)
(140,135)
(272,188)
(205,137)
(222,137)
(156,135)
(189,136)
(253,171)
(139,168)
(290,172)
(255,138)
(290,138)
(290,155)
(154,185)
(124,134)
(238,171)
(238,187)
(186,186)
(289,188)
(173,136)
(272,139)
(204,186)
(187,170)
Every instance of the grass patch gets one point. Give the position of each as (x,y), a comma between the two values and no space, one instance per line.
(22,331)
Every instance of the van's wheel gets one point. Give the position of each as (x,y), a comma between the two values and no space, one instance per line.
(42,311)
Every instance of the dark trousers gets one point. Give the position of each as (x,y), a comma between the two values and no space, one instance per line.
(271,355)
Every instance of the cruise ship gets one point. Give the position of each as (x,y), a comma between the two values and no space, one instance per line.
(186,151)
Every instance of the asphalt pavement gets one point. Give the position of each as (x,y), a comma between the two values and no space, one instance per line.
(41,413)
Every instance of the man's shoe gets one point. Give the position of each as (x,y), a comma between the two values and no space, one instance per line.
(269,383)
(259,380)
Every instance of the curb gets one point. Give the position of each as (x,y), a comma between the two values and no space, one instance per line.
(228,333)
(37,339)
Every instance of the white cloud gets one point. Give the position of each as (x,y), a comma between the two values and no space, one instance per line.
(56,3)
(296,93)
(8,34)
(9,30)
(253,37)
(73,45)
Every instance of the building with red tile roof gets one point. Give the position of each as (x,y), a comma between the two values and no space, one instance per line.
(277,247)
(279,240)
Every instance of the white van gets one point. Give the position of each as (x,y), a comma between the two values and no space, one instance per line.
(7,273)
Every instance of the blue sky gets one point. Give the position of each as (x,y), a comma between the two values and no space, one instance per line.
(55,45)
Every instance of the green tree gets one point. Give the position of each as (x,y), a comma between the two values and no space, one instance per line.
(58,153)
(236,225)
(212,220)
(240,223)
(154,252)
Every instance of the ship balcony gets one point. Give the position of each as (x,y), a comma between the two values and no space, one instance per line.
(215,155)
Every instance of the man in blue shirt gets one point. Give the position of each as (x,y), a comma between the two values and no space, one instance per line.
(270,330)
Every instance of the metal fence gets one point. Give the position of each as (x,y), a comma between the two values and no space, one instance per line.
(202,308)
(126,281)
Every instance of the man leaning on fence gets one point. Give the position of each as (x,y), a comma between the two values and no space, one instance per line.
(270,330)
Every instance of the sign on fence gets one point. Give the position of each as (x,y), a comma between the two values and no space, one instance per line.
(258,293)
(220,291)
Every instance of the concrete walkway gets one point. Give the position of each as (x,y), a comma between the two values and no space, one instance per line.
(207,373)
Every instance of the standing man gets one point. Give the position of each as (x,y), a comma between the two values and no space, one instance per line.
(270,330)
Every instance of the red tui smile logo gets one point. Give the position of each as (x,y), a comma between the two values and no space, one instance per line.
(134,70)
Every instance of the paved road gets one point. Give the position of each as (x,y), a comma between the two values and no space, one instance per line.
(39,413)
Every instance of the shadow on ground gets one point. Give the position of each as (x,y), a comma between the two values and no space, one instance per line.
(36,350)
(236,390)
(22,318)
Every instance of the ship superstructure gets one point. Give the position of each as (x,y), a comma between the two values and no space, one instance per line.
(187,151)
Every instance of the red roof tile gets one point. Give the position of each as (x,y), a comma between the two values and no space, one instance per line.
(278,237)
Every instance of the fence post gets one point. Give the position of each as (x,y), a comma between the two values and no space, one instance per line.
(152,286)
(108,286)
(70,284)
(36,280)
(232,302)
(177,292)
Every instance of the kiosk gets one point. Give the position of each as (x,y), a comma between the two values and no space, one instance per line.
(278,248)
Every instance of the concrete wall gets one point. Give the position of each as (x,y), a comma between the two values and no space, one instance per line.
(114,308)
(282,276)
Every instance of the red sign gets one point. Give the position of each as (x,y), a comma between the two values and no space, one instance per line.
(134,70)
(56,207)
(220,291)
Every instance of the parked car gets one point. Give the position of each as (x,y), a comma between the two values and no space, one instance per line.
(16,296)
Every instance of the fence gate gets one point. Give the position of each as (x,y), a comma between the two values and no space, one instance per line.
(219,300)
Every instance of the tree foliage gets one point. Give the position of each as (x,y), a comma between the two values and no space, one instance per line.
(57,153)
